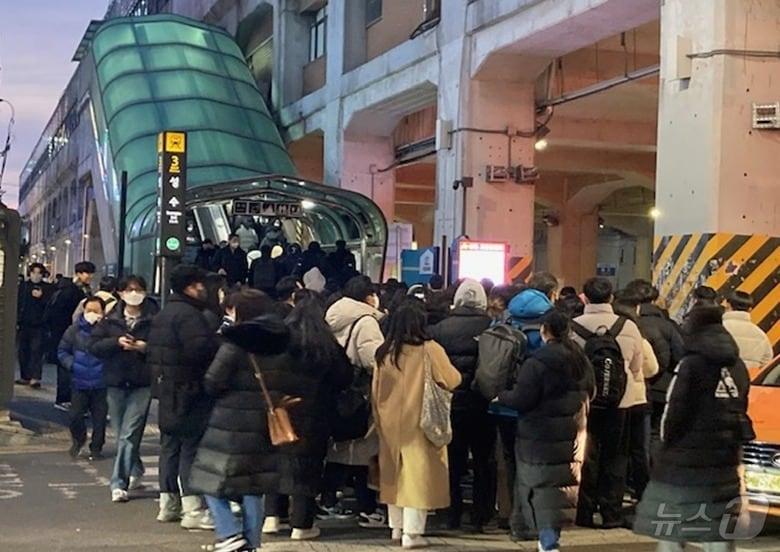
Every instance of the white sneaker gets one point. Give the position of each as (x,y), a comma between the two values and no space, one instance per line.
(409,542)
(231,544)
(305,534)
(119,495)
(135,483)
(377,520)
(543,550)
(398,534)
(198,520)
(170,508)
(271,525)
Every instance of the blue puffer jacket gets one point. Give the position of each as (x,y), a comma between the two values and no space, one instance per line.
(73,354)
(526,310)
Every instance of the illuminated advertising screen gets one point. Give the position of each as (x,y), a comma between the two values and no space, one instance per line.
(479,260)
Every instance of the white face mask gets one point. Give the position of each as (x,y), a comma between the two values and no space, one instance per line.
(133,298)
(93,317)
(36,278)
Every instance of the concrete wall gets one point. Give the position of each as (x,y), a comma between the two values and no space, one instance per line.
(399,19)
(314,75)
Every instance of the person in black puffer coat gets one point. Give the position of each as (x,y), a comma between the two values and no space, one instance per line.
(695,480)
(473,429)
(180,348)
(120,341)
(667,342)
(315,370)
(235,458)
(551,395)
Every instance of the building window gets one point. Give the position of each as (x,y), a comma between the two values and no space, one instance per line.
(317,35)
(373,11)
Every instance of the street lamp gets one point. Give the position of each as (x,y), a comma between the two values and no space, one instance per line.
(67,253)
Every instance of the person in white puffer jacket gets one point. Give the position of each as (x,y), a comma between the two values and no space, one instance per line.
(755,349)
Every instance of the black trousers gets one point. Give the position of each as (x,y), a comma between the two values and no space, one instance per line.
(176,457)
(638,448)
(336,476)
(301,510)
(30,352)
(93,401)
(63,384)
(473,431)
(604,470)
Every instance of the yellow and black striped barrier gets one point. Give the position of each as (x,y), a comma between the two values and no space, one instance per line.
(520,269)
(725,262)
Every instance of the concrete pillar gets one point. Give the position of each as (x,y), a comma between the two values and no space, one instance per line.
(717,189)
(493,211)
(572,247)
(362,162)
(291,53)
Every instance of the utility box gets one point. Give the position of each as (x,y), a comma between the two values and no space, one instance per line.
(10,240)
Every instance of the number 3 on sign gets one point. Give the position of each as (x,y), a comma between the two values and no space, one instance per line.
(175,168)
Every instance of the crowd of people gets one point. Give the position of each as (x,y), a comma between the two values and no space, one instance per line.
(275,398)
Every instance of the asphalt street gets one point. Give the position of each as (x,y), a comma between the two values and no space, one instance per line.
(50,502)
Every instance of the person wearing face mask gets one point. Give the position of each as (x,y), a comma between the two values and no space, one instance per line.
(32,297)
(120,341)
(88,393)
(231,262)
(180,349)
(551,395)
(354,320)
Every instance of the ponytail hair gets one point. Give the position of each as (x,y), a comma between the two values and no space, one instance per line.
(557,324)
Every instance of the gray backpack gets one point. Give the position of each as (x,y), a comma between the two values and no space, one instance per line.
(502,349)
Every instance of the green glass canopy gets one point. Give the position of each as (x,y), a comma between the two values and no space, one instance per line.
(167,72)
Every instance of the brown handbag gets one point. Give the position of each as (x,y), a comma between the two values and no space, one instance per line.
(280,426)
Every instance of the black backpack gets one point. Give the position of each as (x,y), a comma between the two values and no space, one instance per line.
(603,351)
(351,416)
(502,349)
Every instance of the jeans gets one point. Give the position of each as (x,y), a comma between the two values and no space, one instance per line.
(604,469)
(639,448)
(301,513)
(128,407)
(549,537)
(94,402)
(473,431)
(411,520)
(226,524)
(30,353)
(176,457)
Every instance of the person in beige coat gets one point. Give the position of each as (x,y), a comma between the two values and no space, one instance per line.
(354,320)
(413,473)
(755,349)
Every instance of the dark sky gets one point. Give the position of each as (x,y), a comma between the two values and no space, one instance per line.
(37,41)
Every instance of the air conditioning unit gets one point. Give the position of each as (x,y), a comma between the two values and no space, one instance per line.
(497,173)
(766,116)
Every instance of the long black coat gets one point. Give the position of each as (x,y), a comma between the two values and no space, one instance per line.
(316,382)
(180,348)
(123,368)
(667,343)
(235,456)
(552,400)
(457,334)
(698,461)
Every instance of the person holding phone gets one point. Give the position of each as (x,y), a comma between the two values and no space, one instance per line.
(120,342)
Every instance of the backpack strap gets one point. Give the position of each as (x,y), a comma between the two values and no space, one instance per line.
(352,329)
(581,330)
(617,327)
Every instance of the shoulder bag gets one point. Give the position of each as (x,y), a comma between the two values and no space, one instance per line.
(436,405)
(280,427)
